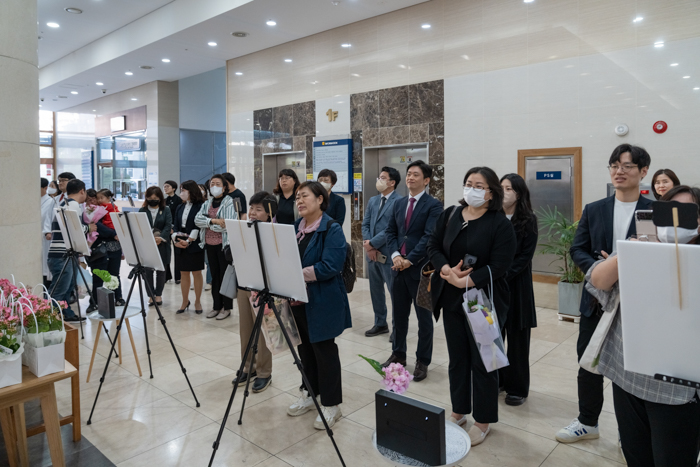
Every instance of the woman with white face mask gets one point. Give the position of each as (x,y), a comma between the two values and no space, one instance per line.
(522,316)
(468,240)
(659,422)
(336,203)
(211,221)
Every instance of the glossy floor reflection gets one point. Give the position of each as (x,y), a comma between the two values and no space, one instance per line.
(140,421)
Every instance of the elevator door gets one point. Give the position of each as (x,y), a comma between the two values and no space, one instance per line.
(551,184)
(273,163)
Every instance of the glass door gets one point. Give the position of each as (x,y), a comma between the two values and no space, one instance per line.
(121,162)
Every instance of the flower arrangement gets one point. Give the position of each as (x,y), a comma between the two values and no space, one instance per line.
(9,328)
(92,214)
(474,306)
(48,313)
(395,377)
(110,282)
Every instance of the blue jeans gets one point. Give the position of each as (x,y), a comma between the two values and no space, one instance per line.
(64,287)
(380,274)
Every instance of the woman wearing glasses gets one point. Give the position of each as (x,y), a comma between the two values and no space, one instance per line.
(475,234)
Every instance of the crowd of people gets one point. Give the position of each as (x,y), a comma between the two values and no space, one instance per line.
(486,241)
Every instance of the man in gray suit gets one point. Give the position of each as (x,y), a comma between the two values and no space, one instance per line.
(377,215)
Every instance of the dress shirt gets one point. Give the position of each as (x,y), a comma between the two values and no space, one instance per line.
(408,205)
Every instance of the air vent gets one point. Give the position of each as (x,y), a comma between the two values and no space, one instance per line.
(239,34)
(146,67)
(75,11)
(63,97)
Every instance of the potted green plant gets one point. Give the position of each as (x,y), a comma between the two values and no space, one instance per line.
(558,233)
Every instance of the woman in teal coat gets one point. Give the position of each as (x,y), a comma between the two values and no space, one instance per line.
(322,250)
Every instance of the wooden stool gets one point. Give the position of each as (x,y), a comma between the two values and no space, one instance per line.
(96,317)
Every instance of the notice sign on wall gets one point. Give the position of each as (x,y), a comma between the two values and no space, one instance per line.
(336,155)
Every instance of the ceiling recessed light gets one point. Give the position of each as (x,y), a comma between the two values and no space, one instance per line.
(75,11)
(128,73)
(288,60)
(39,105)
(166,60)
(134,99)
(637,19)
(695,89)
(355,75)
(212,44)
(74,92)
(425,26)
(659,44)
(271,23)
(99,84)
(238,73)
(239,34)
(674,64)
(528,1)
(686,77)
(52,25)
(94,110)
(346,45)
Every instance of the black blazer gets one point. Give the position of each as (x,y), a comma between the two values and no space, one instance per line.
(425,213)
(173,202)
(188,227)
(336,208)
(595,234)
(164,223)
(522,308)
(492,242)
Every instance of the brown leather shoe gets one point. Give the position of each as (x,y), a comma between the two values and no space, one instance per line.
(393,359)
(421,372)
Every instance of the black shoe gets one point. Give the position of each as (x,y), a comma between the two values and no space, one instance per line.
(261,384)
(199,312)
(73,319)
(177,282)
(393,359)
(90,309)
(421,372)
(120,302)
(184,309)
(243,378)
(515,400)
(377,330)
(501,389)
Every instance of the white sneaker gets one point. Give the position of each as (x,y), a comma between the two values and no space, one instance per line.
(214,313)
(302,405)
(207,287)
(223,315)
(192,287)
(577,431)
(331,414)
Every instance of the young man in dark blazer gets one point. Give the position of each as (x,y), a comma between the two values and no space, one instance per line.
(407,235)
(602,224)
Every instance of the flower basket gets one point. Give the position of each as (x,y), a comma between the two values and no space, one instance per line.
(11,347)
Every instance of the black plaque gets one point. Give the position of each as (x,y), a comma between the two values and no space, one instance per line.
(105,302)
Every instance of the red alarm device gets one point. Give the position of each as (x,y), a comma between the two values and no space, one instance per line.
(660,127)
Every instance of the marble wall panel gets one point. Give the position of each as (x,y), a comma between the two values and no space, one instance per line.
(394,135)
(262,123)
(309,154)
(359,254)
(436,149)
(364,110)
(356,149)
(257,169)
(304,118)
(299,143)
(370,137)
(419,133)
(284,144)
(437,183)
(426,102)
(282,121)
(393,107)
(267,146)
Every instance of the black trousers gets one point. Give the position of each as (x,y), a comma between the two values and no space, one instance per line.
(404,292)
(160,281)
(321,362)
(111,263)
(218,265)
(515,378)
(590,386)
(168,275)
(467,373)
(657,435)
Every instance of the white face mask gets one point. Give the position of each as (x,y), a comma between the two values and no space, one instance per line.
(184,195)
(474,197)
(216,191)
(50,191)
(668,235)
(326,185)
(509,198)
(203,193)
(382,185)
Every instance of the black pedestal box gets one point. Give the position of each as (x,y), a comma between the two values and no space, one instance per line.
(105,302)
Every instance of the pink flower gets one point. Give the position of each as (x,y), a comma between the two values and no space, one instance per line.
(396,378)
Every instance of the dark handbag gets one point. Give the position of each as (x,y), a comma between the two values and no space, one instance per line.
(423,298)
(97,253)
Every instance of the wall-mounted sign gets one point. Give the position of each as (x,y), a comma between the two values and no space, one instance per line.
(332,115)
(357,182)
(555,175)
(309,176)
(117,123)
(336,155)
(131,144)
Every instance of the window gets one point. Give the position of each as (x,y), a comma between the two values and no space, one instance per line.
(47,144)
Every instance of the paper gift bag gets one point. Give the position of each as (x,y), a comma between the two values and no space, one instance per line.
(11,370)
(43,361)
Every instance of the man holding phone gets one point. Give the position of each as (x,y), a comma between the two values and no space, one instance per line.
(602,224)
(377,215)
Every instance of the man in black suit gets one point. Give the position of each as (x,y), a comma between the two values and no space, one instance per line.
(602,224)
(407,236)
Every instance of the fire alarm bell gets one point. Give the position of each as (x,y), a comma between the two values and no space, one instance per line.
(660,127)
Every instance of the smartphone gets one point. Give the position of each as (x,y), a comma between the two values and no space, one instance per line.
(381,258)
(646,230)
(469,261)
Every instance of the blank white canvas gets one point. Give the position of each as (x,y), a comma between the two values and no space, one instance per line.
(658,336)
(282,261)
(143,237)
(75,228)
(246,259)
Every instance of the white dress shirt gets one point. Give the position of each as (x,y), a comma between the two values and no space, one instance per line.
(408,205)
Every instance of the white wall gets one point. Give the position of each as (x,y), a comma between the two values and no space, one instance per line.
(202,101)
(241,151)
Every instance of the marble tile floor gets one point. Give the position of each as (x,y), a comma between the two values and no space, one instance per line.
(140,421)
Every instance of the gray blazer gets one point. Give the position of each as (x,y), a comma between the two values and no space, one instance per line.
(374,223)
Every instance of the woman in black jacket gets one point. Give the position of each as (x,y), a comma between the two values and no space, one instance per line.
(476,234)
(515,378)
(161,221)
(189,256)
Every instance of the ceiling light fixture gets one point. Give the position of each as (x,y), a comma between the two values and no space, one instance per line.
(271,23)
(659,44)
(74,92)
(637,19)
(528,1)
(335,3)
(288,60)
(166,60)
(238,73)
(75,11)
(674,64)
(99,84)
(52,25)
(346,45)
(695,89)
(128,73)
(686,77)
(239,34)
(425,26)
(212,44)
(94,110)
(134,99)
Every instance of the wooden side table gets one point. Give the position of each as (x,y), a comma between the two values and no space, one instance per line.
(96,317)
(12,399)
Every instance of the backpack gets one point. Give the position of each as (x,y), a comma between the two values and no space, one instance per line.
(349,272)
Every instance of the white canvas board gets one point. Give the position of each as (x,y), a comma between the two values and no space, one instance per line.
(282,261)
(659,336)
(74,228)
(143,238)
(246,259)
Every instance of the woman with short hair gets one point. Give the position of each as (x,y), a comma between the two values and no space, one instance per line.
(161,221)
(287,184)
(336,203)
(662,181)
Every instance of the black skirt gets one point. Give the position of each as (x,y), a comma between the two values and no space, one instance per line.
(187,261)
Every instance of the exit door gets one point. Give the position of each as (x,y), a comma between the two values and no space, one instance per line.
(273,163)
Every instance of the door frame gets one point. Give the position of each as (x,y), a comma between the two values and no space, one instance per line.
(577,153)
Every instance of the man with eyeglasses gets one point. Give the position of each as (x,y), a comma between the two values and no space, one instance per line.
(602,224)
(63,180)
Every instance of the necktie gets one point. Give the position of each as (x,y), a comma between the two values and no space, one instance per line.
(409,213)
(381,205)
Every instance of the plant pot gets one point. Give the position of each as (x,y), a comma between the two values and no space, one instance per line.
(11,371)
(43,361)
(570,298)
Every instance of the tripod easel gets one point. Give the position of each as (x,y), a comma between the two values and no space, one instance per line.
(137,275)
(266,298)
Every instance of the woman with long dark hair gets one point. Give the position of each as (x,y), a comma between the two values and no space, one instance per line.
(161,220)
(287,184)
(515,378)
(662,181)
